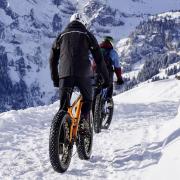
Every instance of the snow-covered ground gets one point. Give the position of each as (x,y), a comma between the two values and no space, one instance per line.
(143,142)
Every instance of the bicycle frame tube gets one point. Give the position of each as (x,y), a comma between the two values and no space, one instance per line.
(77,104)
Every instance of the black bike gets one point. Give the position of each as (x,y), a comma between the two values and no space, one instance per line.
(103,110)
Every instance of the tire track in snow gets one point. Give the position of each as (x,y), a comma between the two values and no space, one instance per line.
(123,151)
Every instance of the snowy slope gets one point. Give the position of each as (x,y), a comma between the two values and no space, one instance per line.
(142,143)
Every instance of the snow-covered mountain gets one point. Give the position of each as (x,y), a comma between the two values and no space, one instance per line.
(152,51)
(27,31)
(143,141)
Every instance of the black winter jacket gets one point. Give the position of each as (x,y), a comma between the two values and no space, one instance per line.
(71,51)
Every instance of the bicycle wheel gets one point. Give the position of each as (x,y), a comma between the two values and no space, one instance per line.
(84,142)
(98,114)
(106,121)
(60,149)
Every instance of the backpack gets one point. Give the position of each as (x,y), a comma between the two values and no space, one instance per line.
(107,58)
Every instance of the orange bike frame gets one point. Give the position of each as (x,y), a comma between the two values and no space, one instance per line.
(75,117)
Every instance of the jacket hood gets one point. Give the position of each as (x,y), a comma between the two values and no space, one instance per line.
(106,45)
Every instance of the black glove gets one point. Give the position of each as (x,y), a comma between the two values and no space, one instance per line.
(119,81)
(105,85)
(56,83)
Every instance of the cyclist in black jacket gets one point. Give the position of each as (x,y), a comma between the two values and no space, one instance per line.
(71,51)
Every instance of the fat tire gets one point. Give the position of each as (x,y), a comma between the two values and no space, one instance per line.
(109,117)
(84,152)
(97,114)
(57,131)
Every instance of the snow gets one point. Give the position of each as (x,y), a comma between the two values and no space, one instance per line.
(125,30)
(143,141)
(135,12)
(42,13)
(26,6)
(20,9)
(138,11)
(145,6)
(171,146)
(165,90)
(14,75)
(4,18)
(172,15)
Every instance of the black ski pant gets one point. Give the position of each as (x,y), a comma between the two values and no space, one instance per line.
(66,86)
(109,90)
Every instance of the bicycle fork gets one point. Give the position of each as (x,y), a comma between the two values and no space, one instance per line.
(75,119)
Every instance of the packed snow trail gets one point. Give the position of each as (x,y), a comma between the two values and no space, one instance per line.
(126,151)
